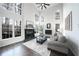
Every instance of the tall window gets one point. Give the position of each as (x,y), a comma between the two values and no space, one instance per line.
(17,28)
(57,27)
(39,23)
(57,15)
(14,7)
(6,28)
(18,8)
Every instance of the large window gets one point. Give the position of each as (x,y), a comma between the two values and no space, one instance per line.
(17,28)
(6,28)
(14,7)
(18,8)
(39,23)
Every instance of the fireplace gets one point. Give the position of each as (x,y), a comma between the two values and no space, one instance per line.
(48,32)
(29,34)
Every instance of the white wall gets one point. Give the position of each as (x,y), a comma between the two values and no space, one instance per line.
(49,16)
(73,35)
(29,11)
(5,13)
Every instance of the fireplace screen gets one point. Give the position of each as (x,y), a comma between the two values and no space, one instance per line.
(48,32)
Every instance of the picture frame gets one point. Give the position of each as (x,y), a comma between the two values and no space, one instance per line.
(48,25)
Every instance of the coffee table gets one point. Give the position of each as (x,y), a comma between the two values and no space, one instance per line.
(41,40)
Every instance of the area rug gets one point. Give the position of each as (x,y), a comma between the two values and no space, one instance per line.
(39,48)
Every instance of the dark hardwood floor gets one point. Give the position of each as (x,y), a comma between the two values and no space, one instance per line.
(56,53)
(17,49)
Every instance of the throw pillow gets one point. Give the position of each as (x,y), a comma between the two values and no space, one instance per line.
(62,39)
(55,38)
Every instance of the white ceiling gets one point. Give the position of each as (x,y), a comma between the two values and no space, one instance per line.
(51,5)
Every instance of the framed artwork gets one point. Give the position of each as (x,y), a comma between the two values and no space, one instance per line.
(48,25)
(68,22)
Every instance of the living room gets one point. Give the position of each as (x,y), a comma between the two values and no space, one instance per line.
(37,27)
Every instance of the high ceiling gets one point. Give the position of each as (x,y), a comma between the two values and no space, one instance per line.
(44,6)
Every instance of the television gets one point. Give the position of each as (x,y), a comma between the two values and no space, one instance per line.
(48,32)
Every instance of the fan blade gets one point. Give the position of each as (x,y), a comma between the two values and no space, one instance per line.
(45,6)
(39,6)
(38,3)
(42,7)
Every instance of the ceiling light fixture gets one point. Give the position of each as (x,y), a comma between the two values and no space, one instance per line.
(42,5)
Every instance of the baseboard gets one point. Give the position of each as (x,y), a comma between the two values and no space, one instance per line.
(12,44)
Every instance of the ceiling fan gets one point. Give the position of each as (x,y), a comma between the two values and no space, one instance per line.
(42,5)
